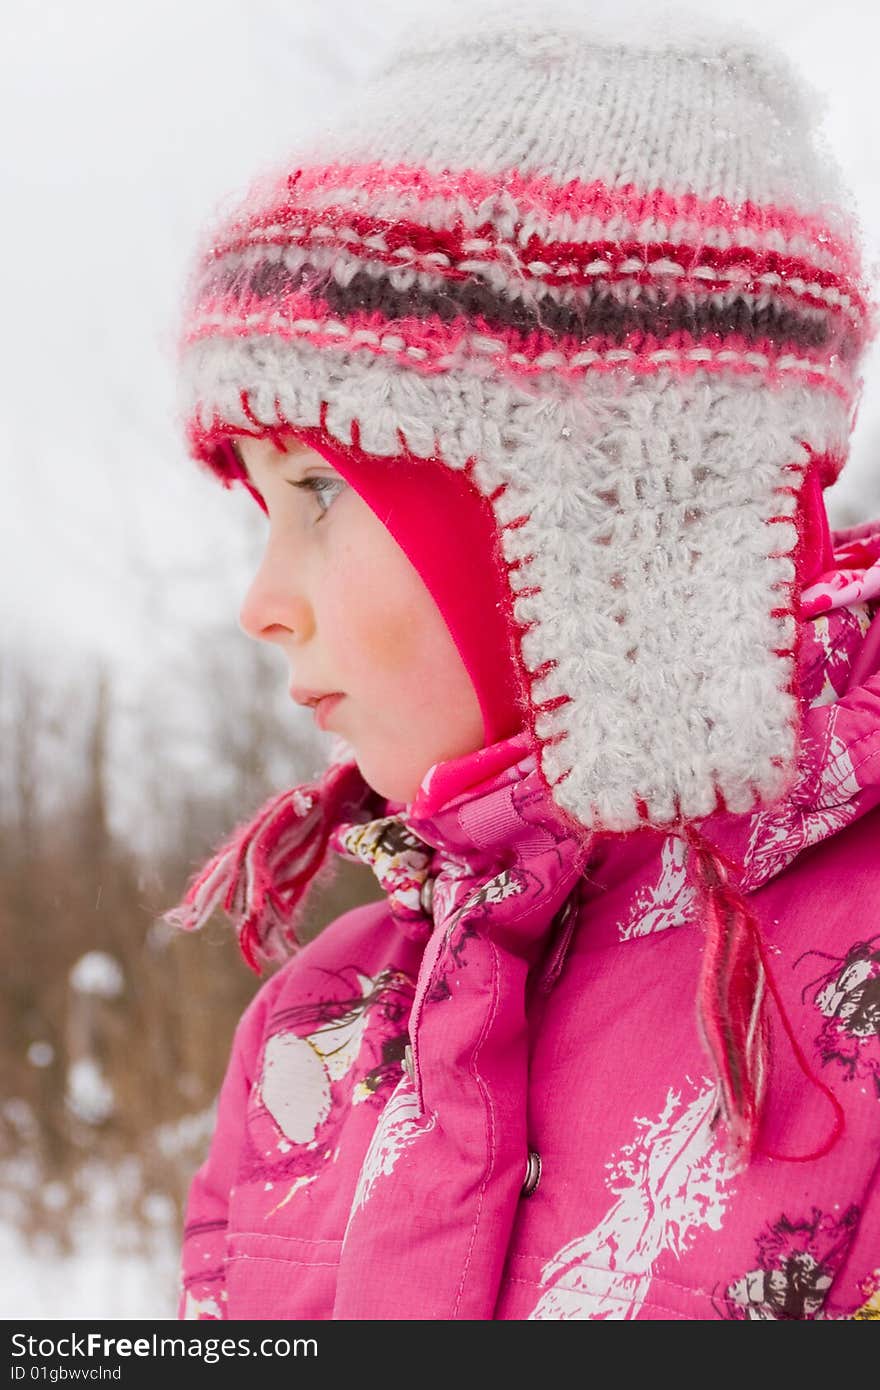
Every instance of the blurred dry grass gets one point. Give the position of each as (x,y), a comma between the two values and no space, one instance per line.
(119,1081)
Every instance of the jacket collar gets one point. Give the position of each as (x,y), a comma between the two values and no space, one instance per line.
(471,819)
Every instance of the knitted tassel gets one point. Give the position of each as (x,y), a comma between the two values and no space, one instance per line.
(731,998)
(260,874)
(736,984)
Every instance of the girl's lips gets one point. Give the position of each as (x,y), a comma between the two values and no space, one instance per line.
(324,708)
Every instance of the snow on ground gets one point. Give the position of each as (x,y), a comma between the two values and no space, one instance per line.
(126,1243)
(89,1094)
(126,1239)
(98,973)
(97,1281)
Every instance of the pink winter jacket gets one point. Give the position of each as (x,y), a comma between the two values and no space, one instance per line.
(509,1115)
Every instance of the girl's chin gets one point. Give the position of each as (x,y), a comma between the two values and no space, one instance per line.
(398,778)
(392,791)
(392,783)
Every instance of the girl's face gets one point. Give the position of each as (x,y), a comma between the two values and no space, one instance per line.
(338,595)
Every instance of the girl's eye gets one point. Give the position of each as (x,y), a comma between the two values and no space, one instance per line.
(321,487)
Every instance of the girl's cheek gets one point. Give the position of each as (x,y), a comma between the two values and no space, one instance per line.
(389,639)
(383,615)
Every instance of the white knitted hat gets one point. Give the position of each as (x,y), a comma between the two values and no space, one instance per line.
(609,271)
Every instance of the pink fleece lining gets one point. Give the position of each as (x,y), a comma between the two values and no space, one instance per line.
(816,553)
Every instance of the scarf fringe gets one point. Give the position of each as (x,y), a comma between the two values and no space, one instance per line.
(260,874)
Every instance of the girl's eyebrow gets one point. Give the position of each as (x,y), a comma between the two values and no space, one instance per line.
(240,457)
(296,452)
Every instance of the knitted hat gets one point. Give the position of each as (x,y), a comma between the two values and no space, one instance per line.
(608,273)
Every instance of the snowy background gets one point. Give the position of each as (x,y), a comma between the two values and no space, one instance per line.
(125,126)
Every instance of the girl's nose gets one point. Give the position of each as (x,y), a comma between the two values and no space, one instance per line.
(275,607)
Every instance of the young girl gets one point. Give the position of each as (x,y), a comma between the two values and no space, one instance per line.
(538,362)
